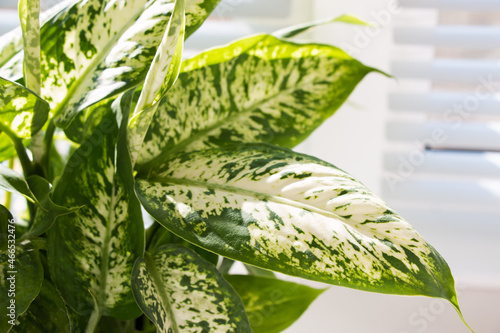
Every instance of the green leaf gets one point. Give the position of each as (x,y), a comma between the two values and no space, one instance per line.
(6,227)
(181,292)
(11,181)
(29,14)
(22,112)
(271,304)
(48,211)
(258,89)
(7,149)
(292,213)
(97,49)
(92,251)
(161,76)
(47,313)
(19,263)
(301,28)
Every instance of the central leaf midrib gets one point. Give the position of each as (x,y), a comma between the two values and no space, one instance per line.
(158,282)
(251,193)
(97,60)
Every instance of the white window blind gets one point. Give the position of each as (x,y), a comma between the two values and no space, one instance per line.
(443,164)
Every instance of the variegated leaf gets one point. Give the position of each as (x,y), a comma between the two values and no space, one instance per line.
(104,48)
(301,28)
(258,89)
(92,252)
(161,76)
(11,44)
(22,113)
(163,237)
(21,277)
(181,292)
(295,214)
(47,313)
(272,305)
(29,14)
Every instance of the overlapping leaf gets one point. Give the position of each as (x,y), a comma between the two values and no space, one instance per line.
(180,292)
(295,214)
(22,113)
(29,14)
(92,251)
(160,78)
(47,313)
(27,272)
(271,304)
(96,49)
(259,89)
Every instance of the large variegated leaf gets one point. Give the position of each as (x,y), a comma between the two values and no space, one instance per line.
(259,89)
(288,212)
(181,292)
(103,48)
(22,113)
(162,237)
(271,304)
(21,277)
(47,313)
(92,252)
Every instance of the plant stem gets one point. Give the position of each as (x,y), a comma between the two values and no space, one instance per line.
(47,143)
(93,321)
(8,195)
(24,159)
(225,265)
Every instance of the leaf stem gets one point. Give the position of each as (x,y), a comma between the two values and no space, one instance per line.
(47,143)
(8,195)
(225,265)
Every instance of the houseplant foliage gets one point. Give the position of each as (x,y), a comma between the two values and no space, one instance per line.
(203,146)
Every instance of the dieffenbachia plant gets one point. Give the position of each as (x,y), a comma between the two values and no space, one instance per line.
(203,147)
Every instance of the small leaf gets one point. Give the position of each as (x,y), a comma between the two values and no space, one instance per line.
(22,112)
(292,213)
(11,181)
(301,28)
(21,277)
(47,313)
(161,76)
(180,292)
(29,14)
(92,251)
(258,89)
(7,227)
(272,305)
(48,212)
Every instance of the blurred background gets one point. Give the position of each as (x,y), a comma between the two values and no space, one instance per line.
(428,141)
